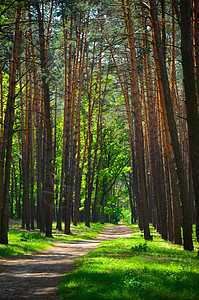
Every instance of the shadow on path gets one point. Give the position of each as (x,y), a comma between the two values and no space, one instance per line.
(37,276)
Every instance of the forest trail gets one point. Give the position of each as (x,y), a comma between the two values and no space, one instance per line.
(37,276)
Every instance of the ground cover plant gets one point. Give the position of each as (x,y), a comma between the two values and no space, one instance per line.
(133,269)
(22,241)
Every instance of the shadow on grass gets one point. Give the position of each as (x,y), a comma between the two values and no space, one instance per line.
(130,247)
(129,284)
(23,247)
(23,242)
(131,269)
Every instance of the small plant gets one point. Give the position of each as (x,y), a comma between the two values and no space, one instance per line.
(140,248)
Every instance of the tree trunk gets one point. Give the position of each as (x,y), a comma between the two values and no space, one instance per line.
(67,179)
(6,147)
(187,224)
(1,107)
(191,98)
(49,177)
(135,101)
(89,92)
(196,48)
(39,132)
(31,155)
(78,134)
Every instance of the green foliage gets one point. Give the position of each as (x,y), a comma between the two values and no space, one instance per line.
(140,248)
(127,215)
(130,269)
(117,215)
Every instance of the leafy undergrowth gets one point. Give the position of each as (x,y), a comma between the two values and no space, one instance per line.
(25,242)
(133,269)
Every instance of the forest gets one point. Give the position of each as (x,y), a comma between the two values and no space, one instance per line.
(99,115)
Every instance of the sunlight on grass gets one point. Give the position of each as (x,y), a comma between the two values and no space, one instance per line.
(23,242)
(133,269)
(79,232)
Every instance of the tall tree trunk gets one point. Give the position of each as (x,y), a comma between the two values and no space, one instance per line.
(187,224)
(139,143)
(196,46)
(6,148)
(1,106)
(31,154)
(60,210)
(78,134)
(24,132)
(67,179)
(49,177)
(73,133)
(191,98)
(39,132)
(89,93)
(99,129)
(54,156)
(165,137)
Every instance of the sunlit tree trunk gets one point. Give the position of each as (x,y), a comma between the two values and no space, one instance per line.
(135,101)
(159,196)
(6,148)
(187,224)
(165,137)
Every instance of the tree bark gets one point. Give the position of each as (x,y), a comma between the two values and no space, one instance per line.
(135,101)
(191,97)
(49,177)
(187,224)
(6,148)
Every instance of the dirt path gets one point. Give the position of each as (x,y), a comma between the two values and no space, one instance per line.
(37,276)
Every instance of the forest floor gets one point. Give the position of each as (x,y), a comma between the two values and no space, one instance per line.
(37,276)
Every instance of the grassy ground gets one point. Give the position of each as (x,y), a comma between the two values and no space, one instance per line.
(25,242)
(132,269)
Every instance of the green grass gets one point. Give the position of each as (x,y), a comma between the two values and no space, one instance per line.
(79,232)
(25,242)
(132,269)
(21,243)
